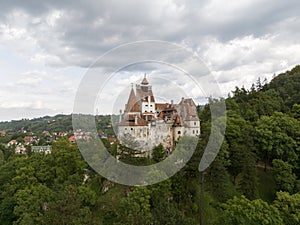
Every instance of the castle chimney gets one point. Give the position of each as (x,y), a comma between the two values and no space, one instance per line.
(172,102)
(135,120)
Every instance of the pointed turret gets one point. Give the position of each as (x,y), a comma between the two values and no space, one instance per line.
(132,104)
(145,81)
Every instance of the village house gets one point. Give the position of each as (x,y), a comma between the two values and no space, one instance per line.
(20,149)
(41,149)
(112,140)
(72,139)
(11,143)
(30,140)
(2,133)
(46,133)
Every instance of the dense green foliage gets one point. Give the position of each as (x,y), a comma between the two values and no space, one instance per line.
(52,124)
(254,179)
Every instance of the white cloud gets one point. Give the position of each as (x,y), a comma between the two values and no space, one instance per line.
(49,42)
(20,105)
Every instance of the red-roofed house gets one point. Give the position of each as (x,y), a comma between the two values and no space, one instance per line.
(112,140)
(72,139)
(2,133)
(27,140)
(11,143)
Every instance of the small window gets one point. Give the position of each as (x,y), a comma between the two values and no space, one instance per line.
(151,111)
(145,110)
(131,128)
(179,132)
(125,128)
(146,105)
(197,131)
(150,105)
(193,132)
(195,123)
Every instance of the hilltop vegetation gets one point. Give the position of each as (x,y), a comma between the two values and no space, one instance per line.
(255,179)
(51,124)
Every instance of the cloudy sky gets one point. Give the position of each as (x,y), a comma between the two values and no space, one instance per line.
(47,47)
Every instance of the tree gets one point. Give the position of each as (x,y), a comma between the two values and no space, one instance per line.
(296,111)
(239,139)
(242,211)
(68,207)
(219,182)
(284,177)
(158,153)
(32,202)
(135,208)
(289,207)
(71,172)
(248,181)
(277,138)
(1,157)
(167,214)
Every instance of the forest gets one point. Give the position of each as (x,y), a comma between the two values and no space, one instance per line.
(255,179)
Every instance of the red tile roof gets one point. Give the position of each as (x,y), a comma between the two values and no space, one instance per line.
(132,104)
(111,139)
(160,106)
(72,138)
(187,109)
(189,101)
(178,120)
(130,121)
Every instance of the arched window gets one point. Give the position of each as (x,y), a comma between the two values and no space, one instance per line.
(179,132)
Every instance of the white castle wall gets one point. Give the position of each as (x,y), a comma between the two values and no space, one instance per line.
(192,128)
(149,136)
(148,107)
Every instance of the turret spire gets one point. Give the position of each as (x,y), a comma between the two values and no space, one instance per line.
(132,104)
(145,81)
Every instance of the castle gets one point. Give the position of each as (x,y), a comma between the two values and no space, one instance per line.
(146,123)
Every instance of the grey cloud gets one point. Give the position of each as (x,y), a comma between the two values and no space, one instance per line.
(87,29)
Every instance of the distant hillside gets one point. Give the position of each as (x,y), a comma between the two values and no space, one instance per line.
(54,124)
(51,124)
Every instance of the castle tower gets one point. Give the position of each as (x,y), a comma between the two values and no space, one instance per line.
(145,97)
